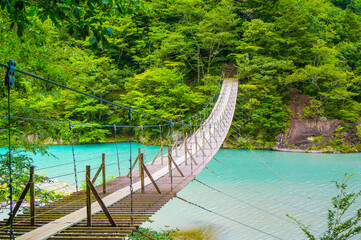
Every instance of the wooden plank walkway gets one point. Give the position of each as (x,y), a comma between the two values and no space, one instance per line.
(67,217)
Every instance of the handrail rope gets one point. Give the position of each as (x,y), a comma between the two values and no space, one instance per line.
(66,174)
(87,94)
(68,163)
(248,204)
(83,93)
(80,124)
(231,219)
(63,175)
(99,125)
(262,194)
(78,161)
(73,184)
(115,170)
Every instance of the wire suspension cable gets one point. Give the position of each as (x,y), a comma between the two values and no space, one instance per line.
(130,165)
(231,219)
(262,194)
(248,204)
(78,124)
(7,81)
(116,147)
(274,171)
(72,149)
(85,94)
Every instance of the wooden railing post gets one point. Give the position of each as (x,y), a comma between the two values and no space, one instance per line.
(185,149)
(90,187)
(104,176)
(169,163)
(88,198)
(32,196)
(195,141)
(141,171)
(161,151)
(170,168)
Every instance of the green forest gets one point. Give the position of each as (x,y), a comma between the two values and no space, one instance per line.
(165,58)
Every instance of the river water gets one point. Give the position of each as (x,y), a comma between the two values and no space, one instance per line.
(252,201)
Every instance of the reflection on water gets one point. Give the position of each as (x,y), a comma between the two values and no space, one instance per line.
(258,197)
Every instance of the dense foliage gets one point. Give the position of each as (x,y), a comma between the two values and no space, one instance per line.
(164,56)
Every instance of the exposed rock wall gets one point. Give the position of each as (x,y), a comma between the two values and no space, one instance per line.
(302,132)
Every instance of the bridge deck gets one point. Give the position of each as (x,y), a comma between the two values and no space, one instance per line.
(66,218)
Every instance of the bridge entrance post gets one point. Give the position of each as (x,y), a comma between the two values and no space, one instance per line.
(141,171)
(170,168)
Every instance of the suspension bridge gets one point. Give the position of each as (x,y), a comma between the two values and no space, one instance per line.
(117,207)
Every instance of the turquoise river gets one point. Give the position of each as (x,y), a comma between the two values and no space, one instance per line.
(253,195)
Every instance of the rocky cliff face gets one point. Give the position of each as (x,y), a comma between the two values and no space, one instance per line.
(302,133)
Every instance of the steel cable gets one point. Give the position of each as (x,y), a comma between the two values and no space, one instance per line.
(231,219)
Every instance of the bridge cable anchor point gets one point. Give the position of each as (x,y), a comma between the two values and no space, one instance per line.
(10,74)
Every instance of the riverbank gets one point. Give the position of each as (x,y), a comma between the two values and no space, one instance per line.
(50,190)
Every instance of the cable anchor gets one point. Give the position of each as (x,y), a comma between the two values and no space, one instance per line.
(10,74)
